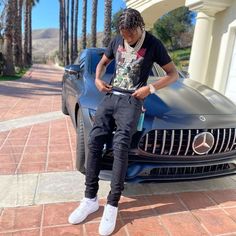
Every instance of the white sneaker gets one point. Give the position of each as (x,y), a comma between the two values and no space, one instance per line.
(108,221)
(86,207)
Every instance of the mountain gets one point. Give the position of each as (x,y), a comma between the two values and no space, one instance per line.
(45,43)
(45,33)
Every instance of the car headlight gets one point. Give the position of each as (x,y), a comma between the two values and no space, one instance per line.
(92,115)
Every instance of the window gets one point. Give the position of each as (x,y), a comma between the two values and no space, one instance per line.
(94,60)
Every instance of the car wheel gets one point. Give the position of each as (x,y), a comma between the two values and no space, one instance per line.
(63,102)
(80,148)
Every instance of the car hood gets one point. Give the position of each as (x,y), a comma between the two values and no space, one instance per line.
(188,97)
(184,97)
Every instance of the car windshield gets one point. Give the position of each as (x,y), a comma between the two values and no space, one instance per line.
(95,58)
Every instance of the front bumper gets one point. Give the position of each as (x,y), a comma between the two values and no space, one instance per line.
(172,171)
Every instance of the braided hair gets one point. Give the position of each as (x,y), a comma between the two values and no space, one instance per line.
(130,19)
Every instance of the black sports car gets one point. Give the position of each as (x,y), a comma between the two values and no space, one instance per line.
(189,130)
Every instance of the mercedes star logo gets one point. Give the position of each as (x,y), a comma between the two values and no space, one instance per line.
(203,143)
(202,118)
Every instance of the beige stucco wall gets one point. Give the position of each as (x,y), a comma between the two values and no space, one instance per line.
(151,10)
(221,50)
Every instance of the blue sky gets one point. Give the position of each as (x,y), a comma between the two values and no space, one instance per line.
(46,15)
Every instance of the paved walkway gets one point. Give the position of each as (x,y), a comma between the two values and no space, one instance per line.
(40,186)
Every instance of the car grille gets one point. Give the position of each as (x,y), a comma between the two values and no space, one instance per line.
(179,142)
(184,172)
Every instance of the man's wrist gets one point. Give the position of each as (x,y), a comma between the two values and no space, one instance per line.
(152,89)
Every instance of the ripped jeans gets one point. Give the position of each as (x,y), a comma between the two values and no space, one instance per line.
(124,112)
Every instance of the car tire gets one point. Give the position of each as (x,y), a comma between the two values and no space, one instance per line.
(63,102)
(80,148)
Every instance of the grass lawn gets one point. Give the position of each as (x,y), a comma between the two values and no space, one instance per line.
(14,77)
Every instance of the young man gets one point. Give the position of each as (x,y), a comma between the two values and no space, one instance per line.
(135,51)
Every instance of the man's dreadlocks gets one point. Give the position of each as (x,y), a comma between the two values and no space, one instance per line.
(130,19)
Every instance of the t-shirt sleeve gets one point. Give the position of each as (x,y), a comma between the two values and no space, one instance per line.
(161,55)
(109,52)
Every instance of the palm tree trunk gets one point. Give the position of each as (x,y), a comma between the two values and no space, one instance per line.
(75,44)
(18,53)
(14,31)
(64,33)
(84,24)
(30,34)
(67,31)
(107,23)
(72,26)
(8,39)
(26,32)
(94,24)
(61,38)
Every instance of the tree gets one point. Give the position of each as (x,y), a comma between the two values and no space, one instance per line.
(26,32)
(107,23)
(28,4)
(114,22)
(67,31)
(17,43)
(170,26)
(72,26)
(94,24)
(84,24)
(75,44)
(62,28)
(8,39)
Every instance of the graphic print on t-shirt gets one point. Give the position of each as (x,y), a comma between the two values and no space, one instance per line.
(128,68)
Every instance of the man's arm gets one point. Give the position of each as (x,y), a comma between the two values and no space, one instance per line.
(171,76)
(100,71)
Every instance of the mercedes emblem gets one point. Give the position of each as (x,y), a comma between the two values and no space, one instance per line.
(203,143)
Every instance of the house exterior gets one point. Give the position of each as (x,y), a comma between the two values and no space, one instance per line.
(213,54)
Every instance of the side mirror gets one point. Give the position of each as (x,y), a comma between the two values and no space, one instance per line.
(72,69)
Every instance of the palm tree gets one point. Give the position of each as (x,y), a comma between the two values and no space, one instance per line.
(72,31)
(66,33)
(32,4)
(8,39)
(18,35)
(62,28)
(28,4)
(107,23)
(94,24)
(84,24)
(75,44)
(26,32)
(14,31)
(65,37)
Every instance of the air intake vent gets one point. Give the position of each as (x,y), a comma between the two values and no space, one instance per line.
(185,172)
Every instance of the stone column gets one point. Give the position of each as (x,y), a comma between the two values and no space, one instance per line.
(201,47)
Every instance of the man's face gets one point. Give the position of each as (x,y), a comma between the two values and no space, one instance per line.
(131,36)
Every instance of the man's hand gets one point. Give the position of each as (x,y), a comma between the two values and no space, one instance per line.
(142,92)
(102,85)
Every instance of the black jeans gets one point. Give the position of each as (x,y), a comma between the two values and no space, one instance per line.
(124,112)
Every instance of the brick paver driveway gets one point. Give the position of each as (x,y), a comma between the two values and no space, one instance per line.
(39,184)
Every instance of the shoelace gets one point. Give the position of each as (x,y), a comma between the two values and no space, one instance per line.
(84,203)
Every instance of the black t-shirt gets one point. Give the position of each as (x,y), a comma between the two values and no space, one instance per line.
(132,70)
